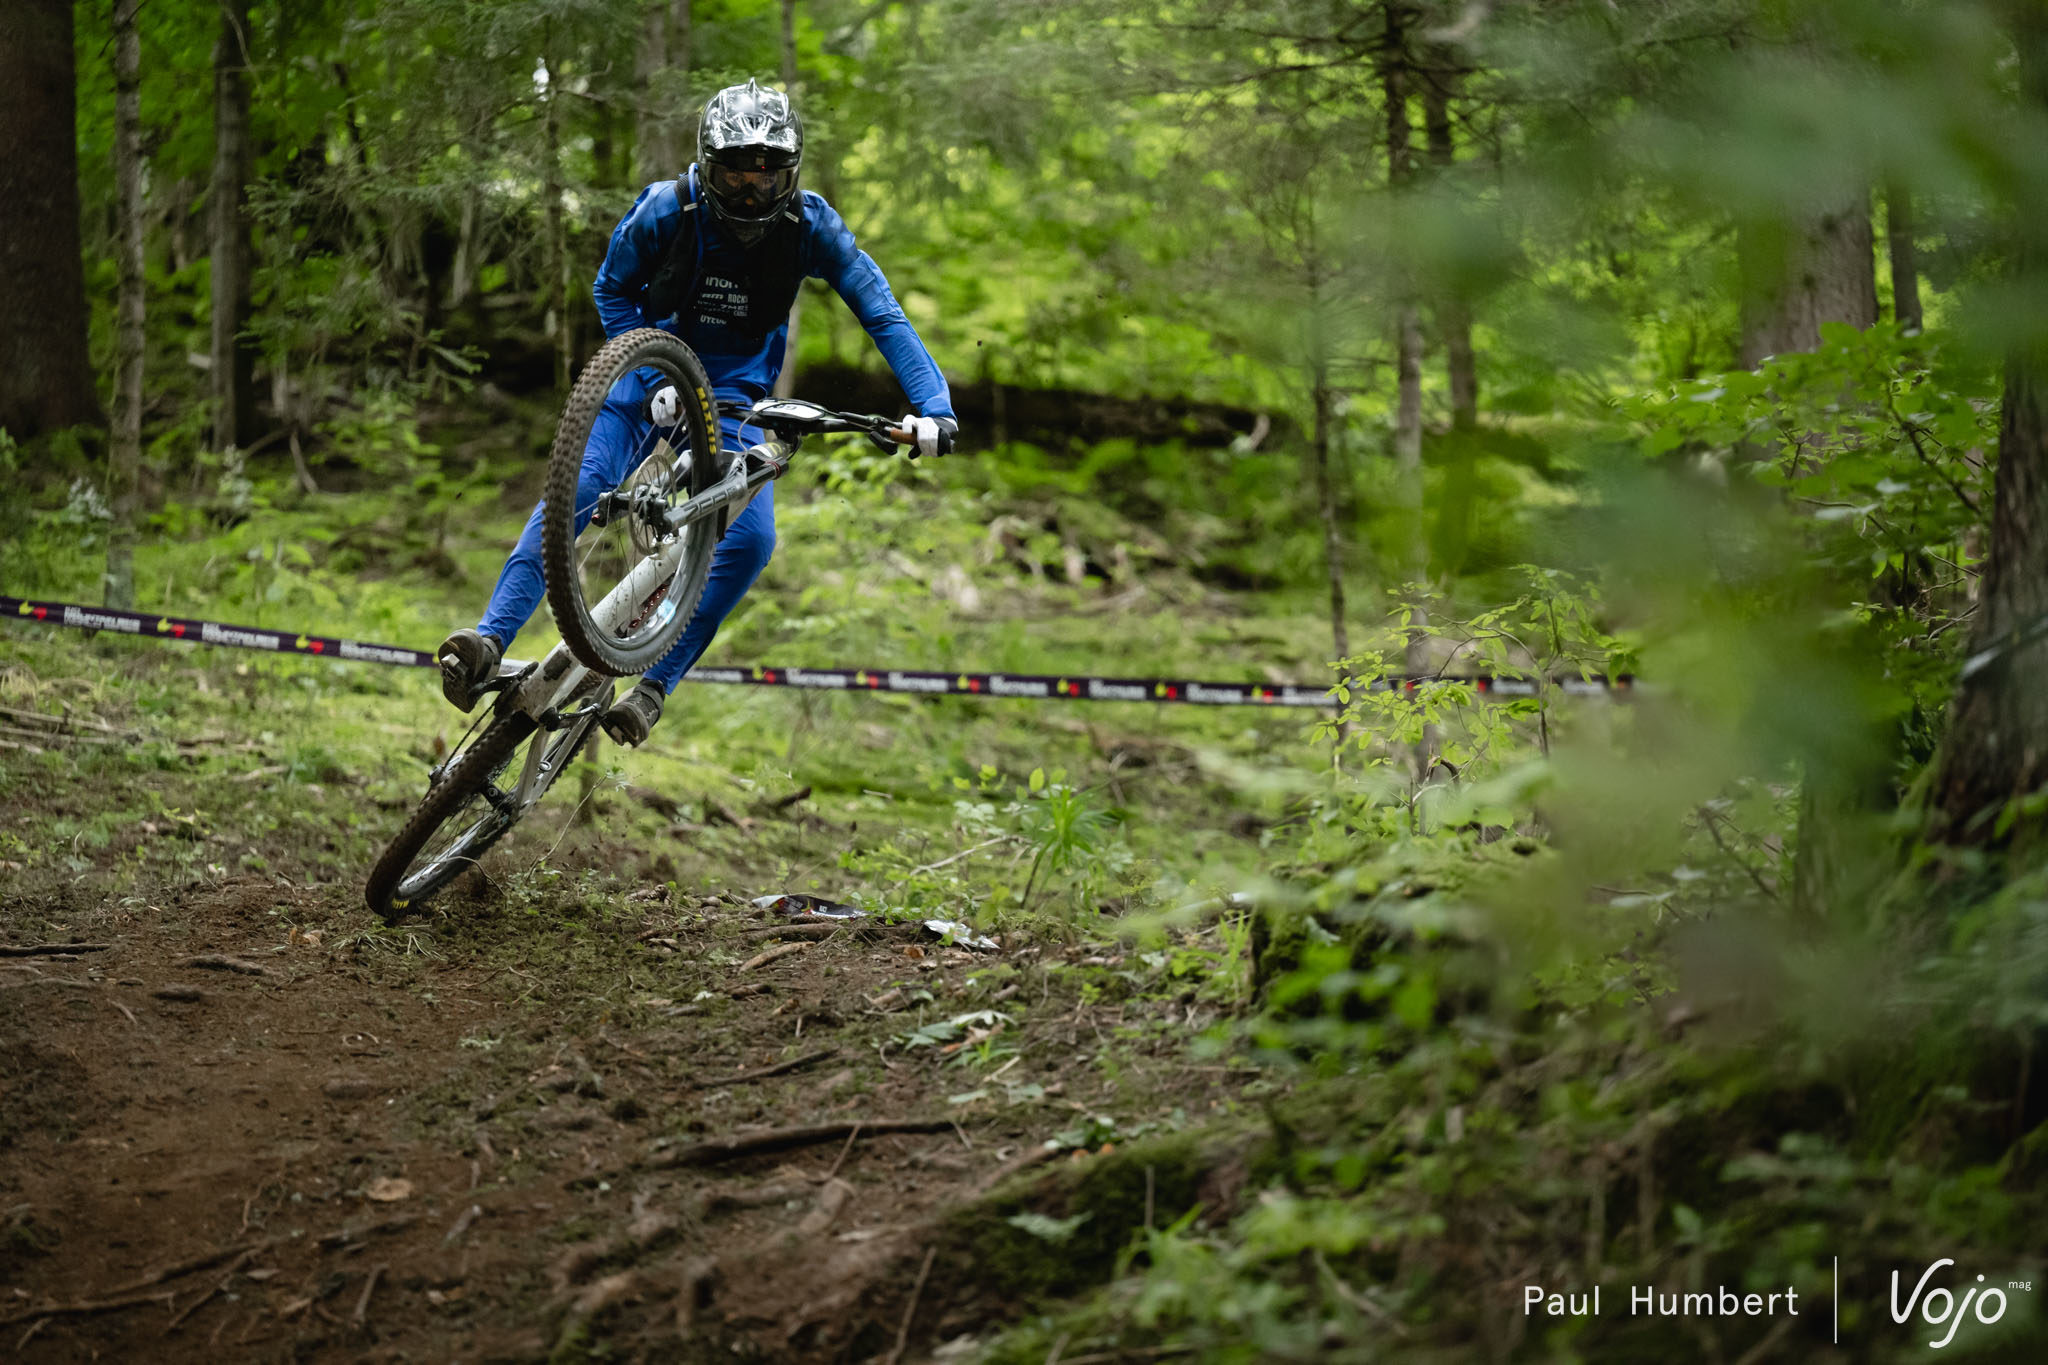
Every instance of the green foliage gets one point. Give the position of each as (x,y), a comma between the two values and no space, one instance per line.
(1497,951)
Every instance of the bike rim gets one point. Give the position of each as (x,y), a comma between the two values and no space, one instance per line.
(463,835)
(666,462)
(439,863)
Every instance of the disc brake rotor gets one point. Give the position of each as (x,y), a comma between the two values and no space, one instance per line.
(654,472)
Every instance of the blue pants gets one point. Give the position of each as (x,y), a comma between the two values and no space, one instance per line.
(619,440)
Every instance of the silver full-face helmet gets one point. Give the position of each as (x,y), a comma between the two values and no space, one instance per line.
(750,146)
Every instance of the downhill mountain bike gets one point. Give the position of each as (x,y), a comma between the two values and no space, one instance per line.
(624,572)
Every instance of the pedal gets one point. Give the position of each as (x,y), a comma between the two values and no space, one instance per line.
(465,698)
(455,687)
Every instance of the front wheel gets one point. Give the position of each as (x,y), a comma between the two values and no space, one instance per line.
(584,557)
(472,806)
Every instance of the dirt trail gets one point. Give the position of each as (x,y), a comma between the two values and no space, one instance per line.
(223,1137)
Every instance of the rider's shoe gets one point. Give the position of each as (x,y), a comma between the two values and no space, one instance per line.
(634,714)
(468,660)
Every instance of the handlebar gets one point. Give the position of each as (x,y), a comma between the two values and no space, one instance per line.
(795,418)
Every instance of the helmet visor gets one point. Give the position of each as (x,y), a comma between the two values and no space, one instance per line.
(748,192)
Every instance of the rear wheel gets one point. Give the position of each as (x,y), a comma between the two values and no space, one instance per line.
(473,805)
(585,557)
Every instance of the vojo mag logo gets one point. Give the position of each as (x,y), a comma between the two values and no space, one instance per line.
(1939,1308)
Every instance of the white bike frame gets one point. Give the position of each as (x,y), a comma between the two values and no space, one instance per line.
(540,691)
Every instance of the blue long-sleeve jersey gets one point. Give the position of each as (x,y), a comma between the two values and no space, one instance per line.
(740,364)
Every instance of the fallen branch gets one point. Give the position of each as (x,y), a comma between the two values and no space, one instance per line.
(963,853)
(661,803)
(205,1260)
(783,1139)
(361,1317)
(342,1237)
(41,949)
(66,1310)
(799,929)
(63,723)
(784,802)
(469,1215)
(763,1073)
(50,981)
(773,955)
(717,810)
(757,1197)
(1135,1353)
(851,1138)
(193,1307)
(83,737)
(916,1292)
(217,963)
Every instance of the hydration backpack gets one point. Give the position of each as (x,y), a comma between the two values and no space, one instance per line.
(773,272)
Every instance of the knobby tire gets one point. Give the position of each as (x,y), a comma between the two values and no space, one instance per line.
(595,648)
(387,890)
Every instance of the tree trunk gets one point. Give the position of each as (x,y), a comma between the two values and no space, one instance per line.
(462,274)
(1412,565)
(1407,448)
(1333,539)
(124,462)
(681,51)
(1407,321)
(558,245)
(1454,324)
(234,361)
(785,382)
(1996,746)
(1797,276)
(1898,204)
(607,166)
(789,46)
(46,379)
(654,143)
(1453,310)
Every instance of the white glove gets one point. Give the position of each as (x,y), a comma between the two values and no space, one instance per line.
(930,435)
(666,407)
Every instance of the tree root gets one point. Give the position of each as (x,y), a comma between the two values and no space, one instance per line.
(783,1139)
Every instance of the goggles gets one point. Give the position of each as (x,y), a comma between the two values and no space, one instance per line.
(750,192)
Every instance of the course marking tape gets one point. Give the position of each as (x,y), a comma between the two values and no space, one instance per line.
(915,682)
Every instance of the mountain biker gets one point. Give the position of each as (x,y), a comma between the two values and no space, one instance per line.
(715,257)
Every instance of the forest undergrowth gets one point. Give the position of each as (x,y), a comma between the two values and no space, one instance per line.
(1387,1043)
